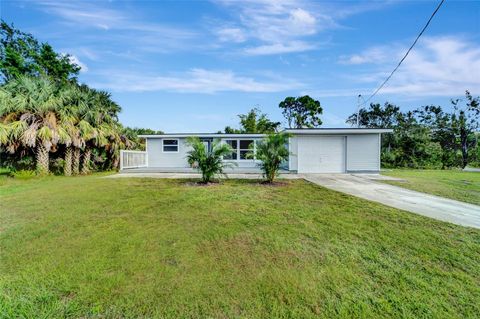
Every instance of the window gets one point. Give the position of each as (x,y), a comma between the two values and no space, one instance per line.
(170,145)
(240,149)
(233,145)
(245,149)
(207,143)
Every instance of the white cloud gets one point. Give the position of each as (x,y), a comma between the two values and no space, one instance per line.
(372,55)
(83,66)
(437,66)
(120,27)
(84,14)
(231,35)
(278,48)
(271,26)
(194,81)
(302,22)
(276,26)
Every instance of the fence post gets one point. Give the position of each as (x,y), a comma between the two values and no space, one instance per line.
(121,159)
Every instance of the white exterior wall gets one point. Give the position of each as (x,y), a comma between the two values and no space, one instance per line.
(158,158)
(293,158)
(363,152)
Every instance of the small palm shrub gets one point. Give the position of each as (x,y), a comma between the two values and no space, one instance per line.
(208,161)
(272,151)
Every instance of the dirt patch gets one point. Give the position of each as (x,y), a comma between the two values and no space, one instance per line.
(201,184)
(274,183)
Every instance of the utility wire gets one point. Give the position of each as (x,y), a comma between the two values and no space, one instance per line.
(406,54)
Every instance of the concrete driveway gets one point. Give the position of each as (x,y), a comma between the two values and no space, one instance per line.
(367,187)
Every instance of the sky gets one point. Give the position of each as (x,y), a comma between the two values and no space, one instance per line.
(193,66)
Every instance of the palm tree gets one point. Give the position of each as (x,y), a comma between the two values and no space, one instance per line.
(103,130)
(39,115)
(70,115)
(30,108)
(83,119)
(272,151)
(208,161)
(99,139)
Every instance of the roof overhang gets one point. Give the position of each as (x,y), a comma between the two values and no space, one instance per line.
(341,131)
(204,135)
(306,131)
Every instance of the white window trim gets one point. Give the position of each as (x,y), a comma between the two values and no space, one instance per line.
(224,141)
(238,149)
(171,139)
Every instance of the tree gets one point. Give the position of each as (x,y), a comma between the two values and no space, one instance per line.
(22,54)
(30,109)
(208,161)
(442,132)
(301,112)
(133,133)
(44,111)
(413,146)
(454,131)
(376,116)
(272,151)
(411,143)
(466,122)
(254,122)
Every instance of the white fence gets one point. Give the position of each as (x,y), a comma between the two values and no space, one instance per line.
(133,159)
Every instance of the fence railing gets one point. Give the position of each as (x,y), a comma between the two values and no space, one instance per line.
(133,159)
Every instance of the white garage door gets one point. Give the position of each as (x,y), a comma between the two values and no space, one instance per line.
(321,154)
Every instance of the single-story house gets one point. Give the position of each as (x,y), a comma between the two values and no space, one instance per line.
(321,150)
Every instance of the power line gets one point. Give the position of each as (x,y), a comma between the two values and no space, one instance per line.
(406,54)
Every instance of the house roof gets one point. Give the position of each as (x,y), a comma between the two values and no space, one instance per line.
(213,135)
(348,130)
(302,131)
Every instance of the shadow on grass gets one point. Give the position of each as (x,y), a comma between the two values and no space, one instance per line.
(239,181)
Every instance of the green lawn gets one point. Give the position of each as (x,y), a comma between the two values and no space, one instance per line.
(128,248)
(454,184)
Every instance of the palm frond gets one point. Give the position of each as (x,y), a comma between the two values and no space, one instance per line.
(63,136)
(208,161)
(272,151)
(17,129)
(4,134)
(45,135)
(87,131)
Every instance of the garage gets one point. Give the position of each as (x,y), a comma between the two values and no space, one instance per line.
(321,154)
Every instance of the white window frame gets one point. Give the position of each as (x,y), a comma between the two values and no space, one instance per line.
(224,141)
(238,149)
(247,149)
(170,139)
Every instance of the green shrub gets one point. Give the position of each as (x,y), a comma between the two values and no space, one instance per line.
(272,151)
(24,174)
(5,171)
(209,161)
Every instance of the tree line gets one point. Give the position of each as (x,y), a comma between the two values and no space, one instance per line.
(428,137)
(49,121)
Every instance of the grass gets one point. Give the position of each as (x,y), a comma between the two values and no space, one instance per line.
(454,184)
(128,248)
